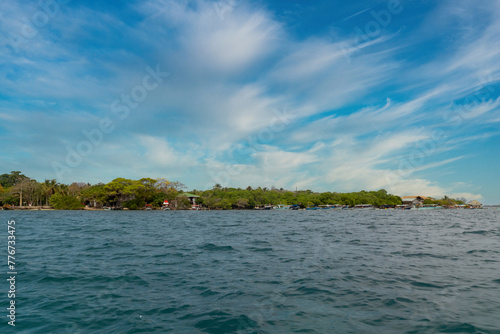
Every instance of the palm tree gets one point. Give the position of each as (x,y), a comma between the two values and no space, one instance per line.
(63,189)
(49,188)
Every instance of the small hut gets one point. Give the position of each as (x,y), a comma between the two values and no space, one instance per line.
(414,201)
(475,205)
(192,197)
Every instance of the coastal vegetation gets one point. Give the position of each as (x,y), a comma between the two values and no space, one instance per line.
(445,201)
(237,198)
(17,189)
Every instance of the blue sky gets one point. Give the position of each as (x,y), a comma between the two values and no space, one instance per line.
(321,95)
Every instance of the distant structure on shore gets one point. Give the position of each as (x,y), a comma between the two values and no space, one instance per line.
(475,204)
(413,201)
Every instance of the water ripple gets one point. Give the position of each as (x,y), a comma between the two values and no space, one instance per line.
(323,271)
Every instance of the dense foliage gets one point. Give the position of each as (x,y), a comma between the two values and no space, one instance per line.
(445,201)
(18,189)
(65,202)
(232,198)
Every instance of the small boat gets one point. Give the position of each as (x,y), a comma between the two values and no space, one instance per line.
(281,207)
(364,207)
(430,207)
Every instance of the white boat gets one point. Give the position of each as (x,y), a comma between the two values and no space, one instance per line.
(363,207)
(281,207)
(430,207)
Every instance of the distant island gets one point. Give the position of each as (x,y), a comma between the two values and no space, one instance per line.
(21,192)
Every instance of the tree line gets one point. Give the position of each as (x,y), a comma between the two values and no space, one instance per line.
(18,189)
(237,198)
(445,201)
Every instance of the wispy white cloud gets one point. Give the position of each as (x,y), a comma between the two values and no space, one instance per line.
(160,153)
(475,110)
(468,196)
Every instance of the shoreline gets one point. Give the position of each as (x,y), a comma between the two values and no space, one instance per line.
(33,208)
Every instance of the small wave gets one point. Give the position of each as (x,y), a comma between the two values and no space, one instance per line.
(425,285)
(482,232)
(404,300)
(260,242)
(383,320)
(255,249)
(169,310)
(208,293)
(425,255)
(310,291)
(305,330)
(60,279)
(233,294)
(477,251)
(390,302)
(226,323)
(212,247)
(459,328)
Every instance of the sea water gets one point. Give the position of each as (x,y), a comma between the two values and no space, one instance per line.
(323,271)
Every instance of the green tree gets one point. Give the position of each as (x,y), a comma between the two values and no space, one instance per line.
(119,190)
(49,188)
(223,204)
(9,180)
(95,195)
(183,203)
(65,202)
(242,203)
(135,204)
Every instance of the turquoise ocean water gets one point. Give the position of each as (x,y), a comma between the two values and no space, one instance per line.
(321,271)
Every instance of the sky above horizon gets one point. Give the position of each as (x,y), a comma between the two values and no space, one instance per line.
(320,95)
